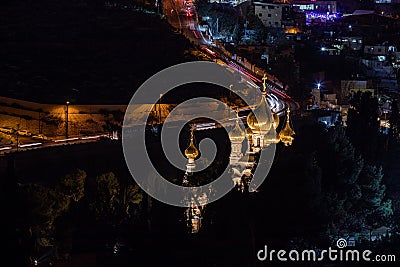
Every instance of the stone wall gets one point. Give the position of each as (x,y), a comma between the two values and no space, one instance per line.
(50,119)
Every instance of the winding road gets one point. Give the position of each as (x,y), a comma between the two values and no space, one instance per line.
(182,16)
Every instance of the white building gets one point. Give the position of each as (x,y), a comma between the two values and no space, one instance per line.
(354,43)
(379,69)
(326,6)
(322,7)
(316,97)
(272,15)
(379,50)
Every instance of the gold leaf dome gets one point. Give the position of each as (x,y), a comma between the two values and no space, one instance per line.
(276,120)
(286,135)
(249,132)
(265,122)
(237,134)
(191,152)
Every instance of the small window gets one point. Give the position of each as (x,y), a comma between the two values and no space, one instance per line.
(269,15)
(263,7)
(260,14)
(276,23)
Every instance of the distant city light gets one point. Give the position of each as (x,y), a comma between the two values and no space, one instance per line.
(323,17)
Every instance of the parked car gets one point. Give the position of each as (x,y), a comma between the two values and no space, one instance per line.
(8,130)
(39,137)
(24,133)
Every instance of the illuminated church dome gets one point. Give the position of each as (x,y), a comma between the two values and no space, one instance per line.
(249,132)
(237,134)
(286,135)
(265,120)
(191,152)
(276,120)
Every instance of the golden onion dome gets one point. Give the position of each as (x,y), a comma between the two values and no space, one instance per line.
(251,121)
(276,120)
(191,152)
(286,135)
(265,122)
(249,132)
(237,134)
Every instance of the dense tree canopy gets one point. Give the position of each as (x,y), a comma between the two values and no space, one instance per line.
(328,188)
(73,184)
(363,127)
(105,201)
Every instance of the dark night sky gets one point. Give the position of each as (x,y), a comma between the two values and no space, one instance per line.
(90,55)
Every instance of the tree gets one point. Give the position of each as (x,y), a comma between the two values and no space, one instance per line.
(375,207)
(44,206)
(255,23)
(394,124)
(354,192)
(112,200)
(237,34)
(363,127)
(341,167)
(73,184)
(105,203)
(392,169)
(132,197)
(202,7)
(336,188)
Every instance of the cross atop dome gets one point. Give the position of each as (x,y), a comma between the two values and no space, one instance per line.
(265,78)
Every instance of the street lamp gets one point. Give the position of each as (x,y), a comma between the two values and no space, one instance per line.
(66,120)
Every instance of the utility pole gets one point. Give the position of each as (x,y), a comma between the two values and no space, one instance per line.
(17,137)
(159,110)
(66,120)
(40,131)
